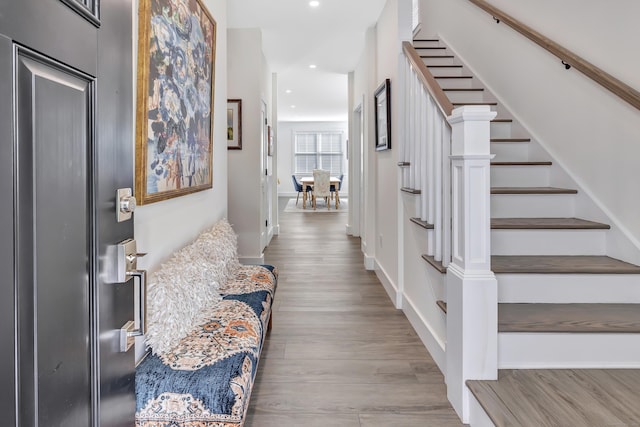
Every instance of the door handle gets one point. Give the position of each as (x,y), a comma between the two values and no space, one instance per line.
(128,332)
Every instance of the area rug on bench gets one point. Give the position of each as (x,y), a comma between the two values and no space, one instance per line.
(320,208)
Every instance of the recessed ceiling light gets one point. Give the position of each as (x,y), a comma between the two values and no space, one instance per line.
(312,66)
(288,91)
(293,106)
(314,3)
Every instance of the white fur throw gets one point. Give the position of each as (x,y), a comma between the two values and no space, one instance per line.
(187,283)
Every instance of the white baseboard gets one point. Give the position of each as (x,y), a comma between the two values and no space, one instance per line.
(369,262)
(387,283)
(251,260)
(477,416)
(435,346)
(276,230)
(288,194)
(348,230)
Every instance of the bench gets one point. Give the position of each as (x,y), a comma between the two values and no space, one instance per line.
(201,374)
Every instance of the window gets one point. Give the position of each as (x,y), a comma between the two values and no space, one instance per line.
(318,150)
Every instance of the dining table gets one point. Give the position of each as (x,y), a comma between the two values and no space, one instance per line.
(307,182)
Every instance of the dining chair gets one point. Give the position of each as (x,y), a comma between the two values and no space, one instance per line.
(333,187)
(321,186)
(298,188)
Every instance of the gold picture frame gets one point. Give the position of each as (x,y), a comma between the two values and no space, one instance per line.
(176,79)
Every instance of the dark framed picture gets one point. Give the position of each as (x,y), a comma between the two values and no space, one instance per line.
(382,98)
(176,74)
(234,124)
(270,146)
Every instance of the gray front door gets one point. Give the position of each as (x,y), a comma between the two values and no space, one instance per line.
(65,147)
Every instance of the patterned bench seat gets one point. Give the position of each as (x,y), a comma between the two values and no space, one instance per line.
(206,379)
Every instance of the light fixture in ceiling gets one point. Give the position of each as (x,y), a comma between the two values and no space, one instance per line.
(312,66)
(287,91)
(293,106)
(314,3)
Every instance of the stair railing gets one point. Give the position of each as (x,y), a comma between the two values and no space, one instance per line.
(567,57)
(426,151)
(446,156)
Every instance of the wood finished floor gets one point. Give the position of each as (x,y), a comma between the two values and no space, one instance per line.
(562,397)
(339,353)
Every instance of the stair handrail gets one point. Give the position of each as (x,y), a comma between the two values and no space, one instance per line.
(568,58)
(427,79)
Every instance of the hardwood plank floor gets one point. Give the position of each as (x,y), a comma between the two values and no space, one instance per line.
(339,353)
(561,397)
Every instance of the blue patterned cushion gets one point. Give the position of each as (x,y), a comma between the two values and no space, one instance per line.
(206,379)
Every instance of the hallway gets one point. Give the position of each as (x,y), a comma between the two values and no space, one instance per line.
(339,353)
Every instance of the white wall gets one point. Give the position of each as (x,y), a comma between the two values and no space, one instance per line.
(247,71)
(591,133)
(388,48)
(286,139)
(163,227)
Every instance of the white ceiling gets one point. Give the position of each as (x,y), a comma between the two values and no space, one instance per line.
(296,35)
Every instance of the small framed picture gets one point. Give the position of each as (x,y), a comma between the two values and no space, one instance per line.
(382,98)
(234,124)
(271,148)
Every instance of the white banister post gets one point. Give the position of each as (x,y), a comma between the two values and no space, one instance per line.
(471,286)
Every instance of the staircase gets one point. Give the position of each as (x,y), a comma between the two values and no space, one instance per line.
(563,303)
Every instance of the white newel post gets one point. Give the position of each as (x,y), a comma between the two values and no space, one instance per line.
(472,294)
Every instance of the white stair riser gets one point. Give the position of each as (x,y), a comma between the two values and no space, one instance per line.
(532,206)
(568,288)
(466,96)
(548,242)
(519,176)
(436,61)
(509,151)
(453,71)
(562,350)
(501,129)
(455,83)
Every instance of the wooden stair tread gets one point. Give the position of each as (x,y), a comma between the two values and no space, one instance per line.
(463,90)
(561,264)
(546,224)
(510,140)
(444,66)
(404,164)
(560,397)
(457,104)
(428,47)
(532,190)
(566,318)
(410,190)
(521,163)
(421,223)
(436,56)
(569,318)
(502,120)
(552,264)
(452,77)
(435,264)
(426,40)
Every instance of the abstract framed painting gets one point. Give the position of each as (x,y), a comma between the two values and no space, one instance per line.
(234,124)
(176,75)
(382,99)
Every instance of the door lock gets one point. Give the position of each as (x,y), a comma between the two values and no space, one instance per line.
(126,204)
